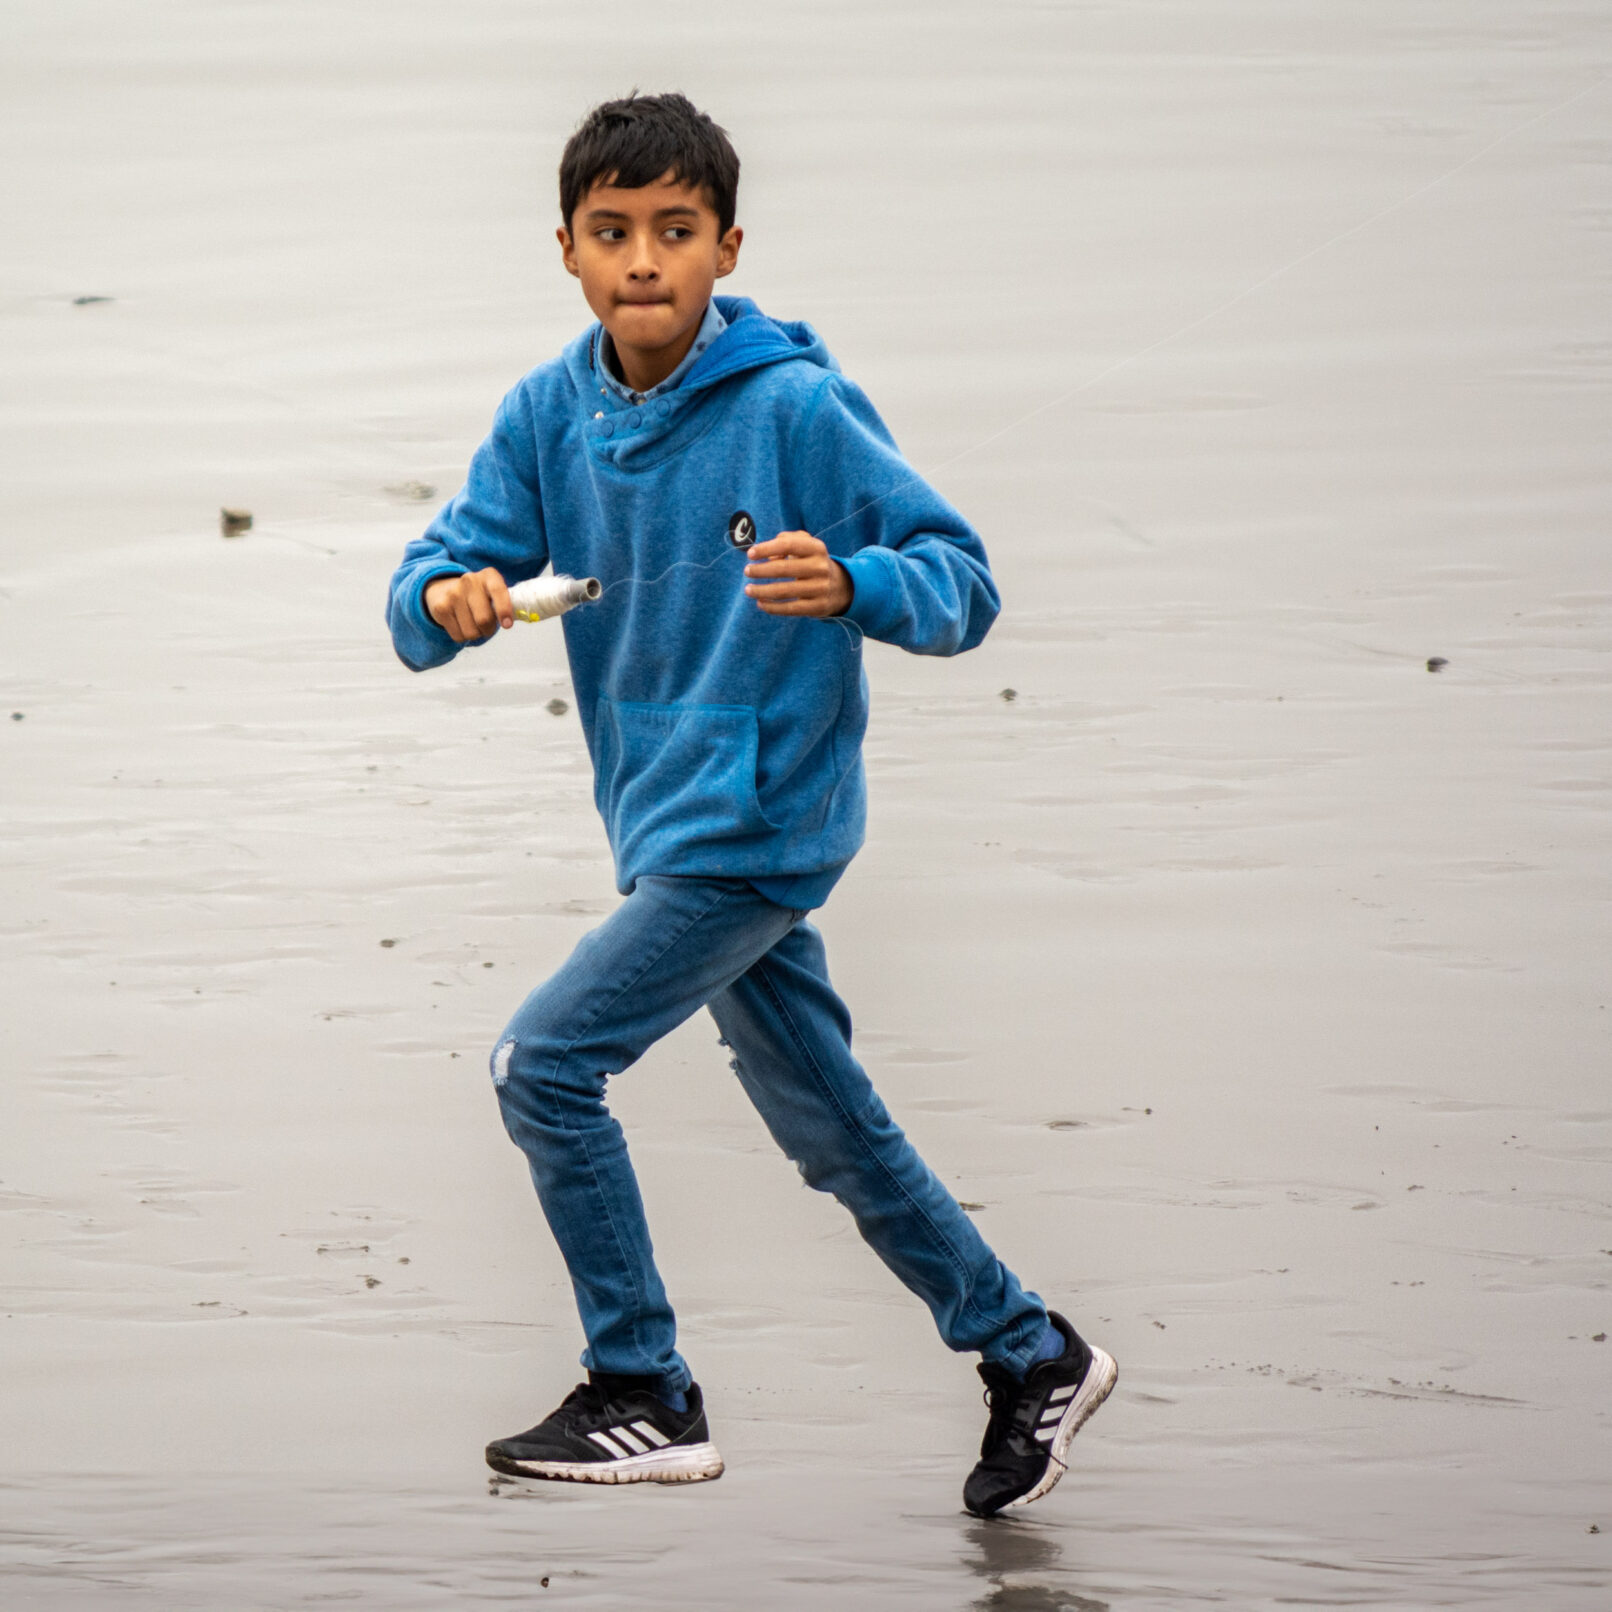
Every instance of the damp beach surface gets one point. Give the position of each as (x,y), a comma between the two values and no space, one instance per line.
(1242,970)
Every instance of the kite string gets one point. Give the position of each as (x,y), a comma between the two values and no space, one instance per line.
(852,630)
(650,582)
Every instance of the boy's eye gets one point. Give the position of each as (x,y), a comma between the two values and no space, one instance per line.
(611,232)
(679,232)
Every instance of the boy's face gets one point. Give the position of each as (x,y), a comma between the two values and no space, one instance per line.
(647,260)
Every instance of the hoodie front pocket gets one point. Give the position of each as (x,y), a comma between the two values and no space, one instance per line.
(676,775)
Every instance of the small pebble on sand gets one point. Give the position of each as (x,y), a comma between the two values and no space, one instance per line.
(1010,695)
(16,716)
(556,707)
(415,491)
(1437,663)
(84,302)
(388,943)
(233,522)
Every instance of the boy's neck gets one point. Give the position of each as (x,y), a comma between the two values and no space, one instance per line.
(643,369)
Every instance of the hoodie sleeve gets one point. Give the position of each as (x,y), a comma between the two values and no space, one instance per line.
(495,520)
(919,569)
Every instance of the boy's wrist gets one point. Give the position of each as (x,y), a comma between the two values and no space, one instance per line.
(845,595)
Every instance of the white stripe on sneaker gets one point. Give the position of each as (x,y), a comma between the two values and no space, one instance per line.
(625,1435)
(1095,1386)
(609,1445)
(650,1434)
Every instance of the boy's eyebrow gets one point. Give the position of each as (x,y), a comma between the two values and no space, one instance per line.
(682,210)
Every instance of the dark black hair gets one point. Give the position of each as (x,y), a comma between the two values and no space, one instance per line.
(634,142)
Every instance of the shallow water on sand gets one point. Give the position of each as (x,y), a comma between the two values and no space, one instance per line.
(1247,978)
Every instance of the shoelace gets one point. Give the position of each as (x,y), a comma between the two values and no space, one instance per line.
(588,1405)
(1005,1400)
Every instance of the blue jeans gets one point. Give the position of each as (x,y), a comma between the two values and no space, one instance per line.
(674,945)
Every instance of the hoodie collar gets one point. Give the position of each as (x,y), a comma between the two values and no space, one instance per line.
(640,434)
(711,326)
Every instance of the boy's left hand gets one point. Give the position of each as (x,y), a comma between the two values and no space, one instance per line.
(800,577)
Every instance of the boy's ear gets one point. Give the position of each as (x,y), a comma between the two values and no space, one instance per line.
(727,251)
(568,251)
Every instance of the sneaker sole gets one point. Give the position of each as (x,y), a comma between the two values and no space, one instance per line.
(689,1463)
(1101,1376)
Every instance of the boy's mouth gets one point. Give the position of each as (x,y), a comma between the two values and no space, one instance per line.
(641,302)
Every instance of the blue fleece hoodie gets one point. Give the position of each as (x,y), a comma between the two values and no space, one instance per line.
(724,741)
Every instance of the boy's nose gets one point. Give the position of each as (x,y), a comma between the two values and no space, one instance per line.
(643,265)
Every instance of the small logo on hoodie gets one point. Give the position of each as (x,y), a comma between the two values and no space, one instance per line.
(741,529)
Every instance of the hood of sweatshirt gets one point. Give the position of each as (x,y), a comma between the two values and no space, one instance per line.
(639,436)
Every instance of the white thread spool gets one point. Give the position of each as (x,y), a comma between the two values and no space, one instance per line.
(543,597)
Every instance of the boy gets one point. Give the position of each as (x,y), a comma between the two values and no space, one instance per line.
(724,719)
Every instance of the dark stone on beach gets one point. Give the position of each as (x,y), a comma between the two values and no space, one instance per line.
(1010,695)
(1437,663)
(16,716)
(232,522)
(416,491)
(968,1207)
(556,707)
(84,302)
(388,942)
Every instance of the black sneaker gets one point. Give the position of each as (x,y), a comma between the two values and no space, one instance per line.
(613,1430)
(1033,1422)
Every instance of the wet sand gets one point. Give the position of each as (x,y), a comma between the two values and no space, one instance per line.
(1248,976)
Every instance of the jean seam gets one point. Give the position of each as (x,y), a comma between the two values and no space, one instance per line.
(604,1197)
(936,1235)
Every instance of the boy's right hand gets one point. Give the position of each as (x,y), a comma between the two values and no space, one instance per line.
(469,607)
